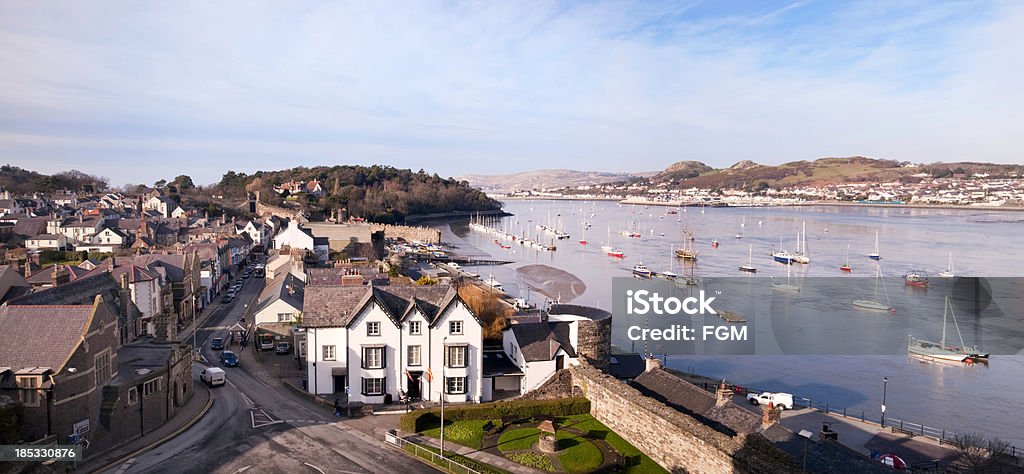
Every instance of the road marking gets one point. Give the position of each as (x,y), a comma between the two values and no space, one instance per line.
(261,418)
(321,471)
(244,397)
(242,469)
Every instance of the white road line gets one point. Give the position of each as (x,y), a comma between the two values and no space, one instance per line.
(321,471)
(242,469)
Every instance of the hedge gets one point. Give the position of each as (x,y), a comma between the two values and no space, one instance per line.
(418,420)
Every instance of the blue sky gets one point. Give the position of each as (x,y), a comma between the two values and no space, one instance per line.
(139,91)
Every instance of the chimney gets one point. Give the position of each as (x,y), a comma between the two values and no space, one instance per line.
(652,363)
(60,275)
(723,395)
(124,279)
(769,415)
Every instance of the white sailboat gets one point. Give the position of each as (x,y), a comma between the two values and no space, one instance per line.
(802,254)
(940,351)
(949,268)
(749,267)
(670,275)
(607,247)
(874,303)
(787,286)
(874,255)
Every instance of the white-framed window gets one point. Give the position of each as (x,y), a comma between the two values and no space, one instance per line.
(373,328)
(456,356)
(373,358)
(29,393)
(330,352)
(414,356)
(133,395)
(414,328)
(150,387)
(454,327)
(102,367)
(373,386)
(455,385)
(284,317)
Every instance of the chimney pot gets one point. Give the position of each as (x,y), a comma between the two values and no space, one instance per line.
(651,362)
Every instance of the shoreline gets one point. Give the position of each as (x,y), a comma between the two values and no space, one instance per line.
(795,204)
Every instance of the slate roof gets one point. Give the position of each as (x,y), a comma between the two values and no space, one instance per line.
(496,363)
(12,283)
(45,237)
(540,341)
(332,306)
(335,306)
(626,366)
(41,336)
(332,276)
(79,291)
(45,275)
(277,289)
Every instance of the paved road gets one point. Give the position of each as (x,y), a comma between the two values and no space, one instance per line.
(258,428)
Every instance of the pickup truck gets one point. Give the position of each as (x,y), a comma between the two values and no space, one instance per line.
(781,400)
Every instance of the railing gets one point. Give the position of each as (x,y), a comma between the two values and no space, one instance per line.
(894,424)
(429,454)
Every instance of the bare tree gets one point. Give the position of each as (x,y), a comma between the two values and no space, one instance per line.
(976,452)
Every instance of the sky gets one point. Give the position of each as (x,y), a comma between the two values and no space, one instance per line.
(140,91)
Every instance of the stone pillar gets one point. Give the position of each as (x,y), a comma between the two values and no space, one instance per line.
(723,395)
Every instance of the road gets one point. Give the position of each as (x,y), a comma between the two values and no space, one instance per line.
(255,427)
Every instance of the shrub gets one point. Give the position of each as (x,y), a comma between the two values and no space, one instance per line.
(419,420)
(534,460)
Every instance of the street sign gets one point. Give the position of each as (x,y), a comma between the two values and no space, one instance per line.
(883,408)
(82,427)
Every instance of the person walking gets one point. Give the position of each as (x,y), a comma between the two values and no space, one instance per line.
(337,408)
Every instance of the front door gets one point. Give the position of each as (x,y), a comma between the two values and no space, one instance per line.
(339,384)
(414,385)
(559,362)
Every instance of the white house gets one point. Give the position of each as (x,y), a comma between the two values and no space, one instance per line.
(46,241)
(106,240)
(297,237)
(256,231)
(146,287)
(75,229)
(280,301)
(382,341)
(163,205)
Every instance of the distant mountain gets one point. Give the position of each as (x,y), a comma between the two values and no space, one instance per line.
(545,179)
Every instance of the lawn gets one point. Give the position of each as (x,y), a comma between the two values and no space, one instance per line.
(468,433)
(577,454)
(596,429)
(518,439)
(534,460)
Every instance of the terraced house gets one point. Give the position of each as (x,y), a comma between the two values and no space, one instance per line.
(385,341)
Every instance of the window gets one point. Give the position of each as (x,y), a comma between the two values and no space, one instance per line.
(30,394)
(414,355)
(330,353)
(414,328)
(373,357)
(455,385)
(150,387)
(284,317)
(455,327)
(102,361)
(456,356)
(373,386)
(373,328)
(133,396)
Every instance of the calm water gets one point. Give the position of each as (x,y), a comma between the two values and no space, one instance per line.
(983,243)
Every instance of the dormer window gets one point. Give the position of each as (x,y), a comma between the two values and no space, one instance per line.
(373,328)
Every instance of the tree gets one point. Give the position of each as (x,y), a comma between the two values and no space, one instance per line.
(160,183)
(183,182)
(976,452)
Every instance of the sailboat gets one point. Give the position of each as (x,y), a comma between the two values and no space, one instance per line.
(607,247)
(739,235)
(874,303)
(687,252)
(949,268)
(846,266)
(874,255)
(802,254)
(669,275)
(782,255)
(749,267)
(787,286)
(940,351)
(583,237)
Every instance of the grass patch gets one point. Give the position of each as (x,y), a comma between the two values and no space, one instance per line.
(419,451)
(518,439)
(534,460)
(469,433)
(637,462)
(577,454)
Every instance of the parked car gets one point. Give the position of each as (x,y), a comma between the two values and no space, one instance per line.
(213,376)
(217,343)
(228,359)
(229,297)
(266,343)
(781,400)
(283,348)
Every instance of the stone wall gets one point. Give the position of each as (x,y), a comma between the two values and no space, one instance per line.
(676,441)
(595,341)
(427,235)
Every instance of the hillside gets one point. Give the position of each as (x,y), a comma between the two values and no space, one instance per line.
(377,193)
(544,179)
(21,181)
(820,172)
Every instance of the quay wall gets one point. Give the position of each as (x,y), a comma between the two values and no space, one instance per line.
(427,235)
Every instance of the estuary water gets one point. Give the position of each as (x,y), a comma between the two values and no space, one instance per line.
(983,243)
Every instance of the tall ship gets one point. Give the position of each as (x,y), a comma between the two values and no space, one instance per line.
(939,350)
(687,252)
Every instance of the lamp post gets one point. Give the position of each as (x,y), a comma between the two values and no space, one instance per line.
(885,384)
(444,362)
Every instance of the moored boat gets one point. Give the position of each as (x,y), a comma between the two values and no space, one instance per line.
(939,350)
(641,270)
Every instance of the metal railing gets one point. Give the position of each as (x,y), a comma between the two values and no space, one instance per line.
(894,424)
(429,454)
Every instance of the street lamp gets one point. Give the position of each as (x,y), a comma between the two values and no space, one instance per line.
(885,384)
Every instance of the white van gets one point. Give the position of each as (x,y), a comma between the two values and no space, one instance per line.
(213,376)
